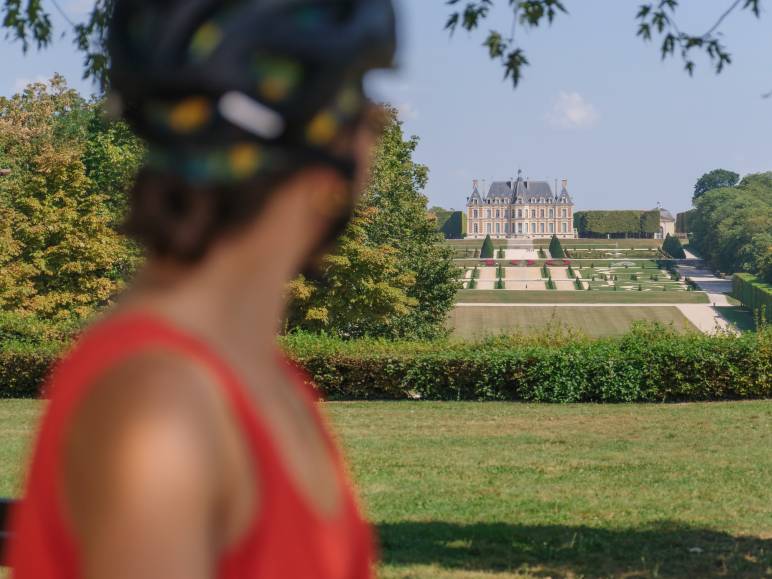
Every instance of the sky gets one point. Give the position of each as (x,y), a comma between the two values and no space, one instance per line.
(596,106)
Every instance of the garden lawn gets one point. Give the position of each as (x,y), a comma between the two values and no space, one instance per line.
(500,491)
(470,323)
(579,297)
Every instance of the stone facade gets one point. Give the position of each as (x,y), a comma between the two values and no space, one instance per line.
(520,209)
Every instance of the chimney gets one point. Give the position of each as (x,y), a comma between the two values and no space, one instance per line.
(565,184)
(474,184)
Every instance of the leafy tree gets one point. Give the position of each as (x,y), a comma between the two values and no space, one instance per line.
(393,224)
(29,22)
(714,180)
(362,292)
(732,227)
(556,250)
(487,248)
(672,246)
(656,18)
(62,257)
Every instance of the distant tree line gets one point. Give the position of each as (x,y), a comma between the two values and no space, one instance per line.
(625,223)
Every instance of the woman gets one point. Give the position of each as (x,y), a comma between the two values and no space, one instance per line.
(178,443)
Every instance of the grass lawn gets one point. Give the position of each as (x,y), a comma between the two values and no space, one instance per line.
(504,491)
(478,322)
(579,297)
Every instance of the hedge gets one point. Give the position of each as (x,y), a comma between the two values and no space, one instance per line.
(651,363)
(625,222)
(753,293)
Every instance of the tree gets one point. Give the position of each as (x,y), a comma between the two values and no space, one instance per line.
(672,246)
(28,22)
(714,180)
(62,257)
(403,282)
(732,226)
(655,18)
(487,248)
(556,250)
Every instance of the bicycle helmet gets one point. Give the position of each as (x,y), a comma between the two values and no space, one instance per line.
(221,89)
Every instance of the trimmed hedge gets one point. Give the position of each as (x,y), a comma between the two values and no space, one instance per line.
(753,293)
(624,222)
(651,363)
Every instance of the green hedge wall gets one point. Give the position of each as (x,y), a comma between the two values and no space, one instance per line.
(651,363)
(452,224)
(590,223)
(753,293)
(683,222)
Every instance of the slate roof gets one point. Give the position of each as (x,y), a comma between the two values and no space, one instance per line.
(664,214)
(521,191)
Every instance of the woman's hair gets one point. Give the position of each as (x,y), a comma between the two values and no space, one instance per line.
(174,218)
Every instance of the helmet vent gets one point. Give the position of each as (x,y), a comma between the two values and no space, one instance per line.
(251,115)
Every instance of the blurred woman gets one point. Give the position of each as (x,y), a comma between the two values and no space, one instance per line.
(178,442)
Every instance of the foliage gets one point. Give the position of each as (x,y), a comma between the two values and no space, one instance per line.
(754,295)
(650,363)
(617,223)
(392,276)
(556,250)
(732,227)
(60,254)
(683,222)
(452,224)
(655,18)
(672,246)
(486,252)
(29,22)
(715,179)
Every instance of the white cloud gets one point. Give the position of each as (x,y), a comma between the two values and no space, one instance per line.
(408,112)
(571,111)
(21,83)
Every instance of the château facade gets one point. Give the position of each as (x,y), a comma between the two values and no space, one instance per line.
(520,209)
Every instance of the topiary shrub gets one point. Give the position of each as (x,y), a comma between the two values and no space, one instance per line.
(486,251)
(672,247)
(556,250)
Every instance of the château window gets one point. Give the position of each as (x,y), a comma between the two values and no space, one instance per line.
(552,228)
(475,228)
(475,213)
(564,213)
(506,228)
(519,213)
(519,227)
(533,213)
(541,228)
(565,227)
(497,213)
(487,228)
(488,213)
(533,228)
(498,228)
(542,213)
(552,213)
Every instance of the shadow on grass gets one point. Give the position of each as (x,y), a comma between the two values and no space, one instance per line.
(662,550)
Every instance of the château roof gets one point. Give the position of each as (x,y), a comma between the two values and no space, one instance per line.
(664,214)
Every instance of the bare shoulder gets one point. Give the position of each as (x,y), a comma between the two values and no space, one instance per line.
(141,466)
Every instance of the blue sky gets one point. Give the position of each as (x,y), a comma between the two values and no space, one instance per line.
(596,106)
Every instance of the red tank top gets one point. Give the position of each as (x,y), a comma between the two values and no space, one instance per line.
(287,538)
